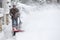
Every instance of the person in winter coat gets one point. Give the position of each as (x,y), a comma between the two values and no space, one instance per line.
(14,13)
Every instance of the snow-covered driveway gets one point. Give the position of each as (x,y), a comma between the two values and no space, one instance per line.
(43,24)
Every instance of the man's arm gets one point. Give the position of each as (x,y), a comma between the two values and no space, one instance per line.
(18,13)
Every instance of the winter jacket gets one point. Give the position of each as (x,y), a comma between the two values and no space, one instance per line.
(14,13)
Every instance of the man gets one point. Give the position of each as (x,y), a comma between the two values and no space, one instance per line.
(14,13)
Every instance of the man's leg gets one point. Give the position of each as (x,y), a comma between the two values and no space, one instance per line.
(13,26)
(16,21)
(12,22)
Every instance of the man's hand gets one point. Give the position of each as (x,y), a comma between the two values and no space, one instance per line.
(17,14)
(11,14)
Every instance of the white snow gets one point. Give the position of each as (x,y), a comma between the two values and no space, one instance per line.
(40,23)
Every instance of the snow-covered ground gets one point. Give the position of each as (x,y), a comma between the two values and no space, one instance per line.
(39,23)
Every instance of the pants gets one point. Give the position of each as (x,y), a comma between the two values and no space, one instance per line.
(14,22)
